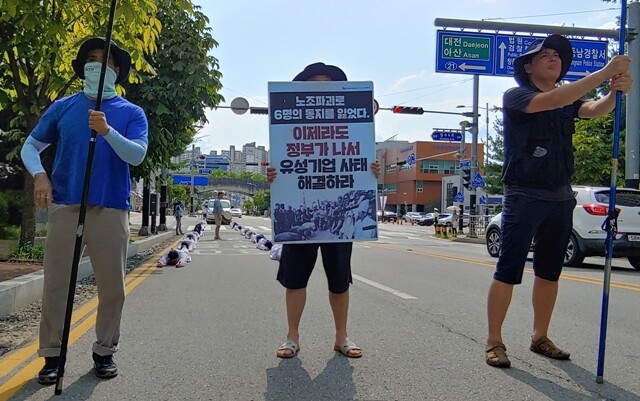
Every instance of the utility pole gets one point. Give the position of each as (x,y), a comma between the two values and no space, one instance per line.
(463,126)
(474,155)
(193,166)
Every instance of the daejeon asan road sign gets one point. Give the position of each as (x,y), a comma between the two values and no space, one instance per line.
(493,54)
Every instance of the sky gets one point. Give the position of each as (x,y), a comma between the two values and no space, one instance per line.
(392,43)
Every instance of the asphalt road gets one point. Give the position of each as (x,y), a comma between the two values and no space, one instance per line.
(209,331)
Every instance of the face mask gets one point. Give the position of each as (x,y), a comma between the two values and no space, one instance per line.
(92,79)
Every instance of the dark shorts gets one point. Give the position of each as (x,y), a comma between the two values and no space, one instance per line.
(298,260)
(547,223)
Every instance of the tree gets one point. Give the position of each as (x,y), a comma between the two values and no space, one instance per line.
(493,169)
(186,82)
(38,40)
(593,142)
(262,201)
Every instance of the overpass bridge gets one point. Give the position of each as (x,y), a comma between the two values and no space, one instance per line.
(238,185)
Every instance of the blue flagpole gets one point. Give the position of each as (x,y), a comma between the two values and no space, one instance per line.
(611,223)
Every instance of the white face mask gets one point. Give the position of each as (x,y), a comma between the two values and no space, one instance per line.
(92,79)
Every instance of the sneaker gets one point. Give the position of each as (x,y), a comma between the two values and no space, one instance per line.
(216,237)
(104,366)
(49,373)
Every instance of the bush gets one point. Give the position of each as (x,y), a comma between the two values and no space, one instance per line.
(10,212)
(9,232)
(27,250)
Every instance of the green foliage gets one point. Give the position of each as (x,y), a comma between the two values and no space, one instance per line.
(9,232)
(187,81)
(177,192)
(10,211)
(262,201)
(27,251)
(245,175)
(593,143)
(248,206)
(493,169)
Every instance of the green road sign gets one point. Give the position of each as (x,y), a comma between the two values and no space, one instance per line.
(466,47)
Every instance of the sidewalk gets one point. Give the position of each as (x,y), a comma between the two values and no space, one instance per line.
(25,289)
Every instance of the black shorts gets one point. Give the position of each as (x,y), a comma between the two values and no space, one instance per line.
(298,260)
(547,224)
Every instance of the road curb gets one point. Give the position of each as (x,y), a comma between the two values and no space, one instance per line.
(22,291)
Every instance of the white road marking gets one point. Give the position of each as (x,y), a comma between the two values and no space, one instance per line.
(382,287)
(265,228)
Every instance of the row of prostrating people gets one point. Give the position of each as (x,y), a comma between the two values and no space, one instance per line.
(180,255)
(262,242)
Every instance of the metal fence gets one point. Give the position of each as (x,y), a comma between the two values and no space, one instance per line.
(477,225)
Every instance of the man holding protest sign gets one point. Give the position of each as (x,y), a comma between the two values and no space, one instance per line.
(298,260)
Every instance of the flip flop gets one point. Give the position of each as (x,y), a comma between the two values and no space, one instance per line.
(348,348)
(289,345)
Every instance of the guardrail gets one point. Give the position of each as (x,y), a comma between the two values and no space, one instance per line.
(478,225)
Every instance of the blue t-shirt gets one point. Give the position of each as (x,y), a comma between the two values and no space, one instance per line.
(217,206)
(66,124)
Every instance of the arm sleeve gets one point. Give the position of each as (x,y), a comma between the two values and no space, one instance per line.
(30,155)
(131,151)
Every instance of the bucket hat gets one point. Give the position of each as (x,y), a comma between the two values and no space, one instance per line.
(556,42)
(121,57)
(335,73)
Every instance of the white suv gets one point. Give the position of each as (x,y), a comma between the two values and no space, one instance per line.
(588,237)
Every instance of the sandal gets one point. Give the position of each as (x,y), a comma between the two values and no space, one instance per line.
(546,347)
(349,349)
(290,346)
(496,355)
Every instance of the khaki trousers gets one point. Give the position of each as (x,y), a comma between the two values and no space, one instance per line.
(106,236)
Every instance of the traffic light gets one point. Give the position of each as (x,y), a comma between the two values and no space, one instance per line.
(407,110)
(466,178)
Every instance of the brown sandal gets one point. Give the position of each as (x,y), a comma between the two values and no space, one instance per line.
(546,347)
(496,355)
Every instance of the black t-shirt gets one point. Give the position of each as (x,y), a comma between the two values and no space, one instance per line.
(538,148)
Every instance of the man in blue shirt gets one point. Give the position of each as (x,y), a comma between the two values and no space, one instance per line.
(121,140)
(217,213)
(537,170)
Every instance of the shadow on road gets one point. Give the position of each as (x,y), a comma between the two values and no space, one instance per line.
(289,381)
(581,378)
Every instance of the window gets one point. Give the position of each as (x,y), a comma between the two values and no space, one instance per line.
(448,167)
(391,168)
(419,186)
(390,188)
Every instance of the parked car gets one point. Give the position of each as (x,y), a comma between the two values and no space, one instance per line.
(427,220)
(413,216)
(388,215)
(226,207)
(235,212)
(445,218)
(588,237)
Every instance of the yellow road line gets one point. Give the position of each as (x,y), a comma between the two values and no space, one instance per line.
(23,354)
(566,276)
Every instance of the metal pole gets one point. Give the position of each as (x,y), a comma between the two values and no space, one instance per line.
(632,138)
(462,149)
(77,251)
(611,222)
(193,167)
(474,156)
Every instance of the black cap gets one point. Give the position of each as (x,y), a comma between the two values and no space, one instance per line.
(333,72)
(121,57)
(556,42)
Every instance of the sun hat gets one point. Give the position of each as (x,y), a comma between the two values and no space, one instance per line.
(121,57)
(556,42)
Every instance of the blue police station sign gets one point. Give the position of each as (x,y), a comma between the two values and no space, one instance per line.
(493,54)
(451,136)
(186,180)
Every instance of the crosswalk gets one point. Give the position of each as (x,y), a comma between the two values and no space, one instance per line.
(210,227)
